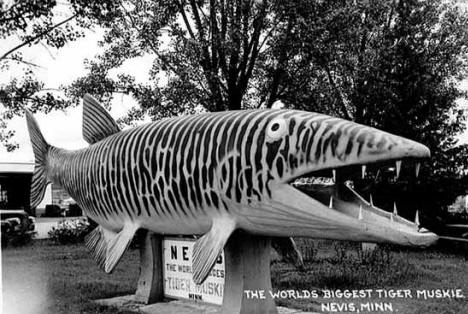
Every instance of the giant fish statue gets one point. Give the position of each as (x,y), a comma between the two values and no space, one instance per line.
(213,173)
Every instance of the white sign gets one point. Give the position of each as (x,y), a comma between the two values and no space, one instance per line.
(177,273)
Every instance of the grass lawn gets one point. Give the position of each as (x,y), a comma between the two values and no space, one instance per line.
(46,278)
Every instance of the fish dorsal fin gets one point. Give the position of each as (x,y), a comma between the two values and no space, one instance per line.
(97,122)
(107,247)
(207,249)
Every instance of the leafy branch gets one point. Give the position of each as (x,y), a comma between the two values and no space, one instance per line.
(36,37)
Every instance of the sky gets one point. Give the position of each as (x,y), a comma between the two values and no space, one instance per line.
(61,67)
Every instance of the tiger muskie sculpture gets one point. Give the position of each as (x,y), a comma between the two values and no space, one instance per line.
(213,173)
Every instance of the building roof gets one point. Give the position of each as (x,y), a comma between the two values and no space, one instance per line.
(16,167)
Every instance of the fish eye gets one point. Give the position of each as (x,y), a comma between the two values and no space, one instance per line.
(276,128)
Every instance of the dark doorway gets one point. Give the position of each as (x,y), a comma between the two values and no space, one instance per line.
(15,191)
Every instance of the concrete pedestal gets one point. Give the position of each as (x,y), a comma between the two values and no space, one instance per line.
(150,283)
(247,268)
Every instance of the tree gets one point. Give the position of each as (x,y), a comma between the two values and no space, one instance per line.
(212,50)
(32,23)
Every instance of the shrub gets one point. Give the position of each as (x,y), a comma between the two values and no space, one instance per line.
(70,231)
(307,247)
(364,268)
(342,264)
(342,251)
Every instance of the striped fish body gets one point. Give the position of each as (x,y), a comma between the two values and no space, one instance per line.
(170,176)
(211,174)
(173,176)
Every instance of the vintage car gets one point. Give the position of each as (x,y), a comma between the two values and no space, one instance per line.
(17,227)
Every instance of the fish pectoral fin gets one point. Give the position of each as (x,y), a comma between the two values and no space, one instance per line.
(107,247)
(207,248)
(286,247)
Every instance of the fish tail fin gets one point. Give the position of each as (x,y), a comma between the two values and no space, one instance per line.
(40,147)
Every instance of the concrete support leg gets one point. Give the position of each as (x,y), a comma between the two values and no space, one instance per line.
(247,264)
(150,283)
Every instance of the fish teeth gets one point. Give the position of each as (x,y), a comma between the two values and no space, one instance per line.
(331,202)
(377,174)
(363,171)
(416,218)
(360,217)
(418,167)
(334,175)
(398,168)
(371,201)
(395,211)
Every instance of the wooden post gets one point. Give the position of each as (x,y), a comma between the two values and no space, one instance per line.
(151,282)
(247,262)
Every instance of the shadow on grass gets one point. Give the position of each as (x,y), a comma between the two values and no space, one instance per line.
(47,278)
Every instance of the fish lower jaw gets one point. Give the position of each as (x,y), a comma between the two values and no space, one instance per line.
(295,213)
(319,228)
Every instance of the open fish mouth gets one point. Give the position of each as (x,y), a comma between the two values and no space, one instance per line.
(334,190)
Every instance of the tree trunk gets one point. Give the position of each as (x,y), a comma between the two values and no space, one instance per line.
(235,99)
